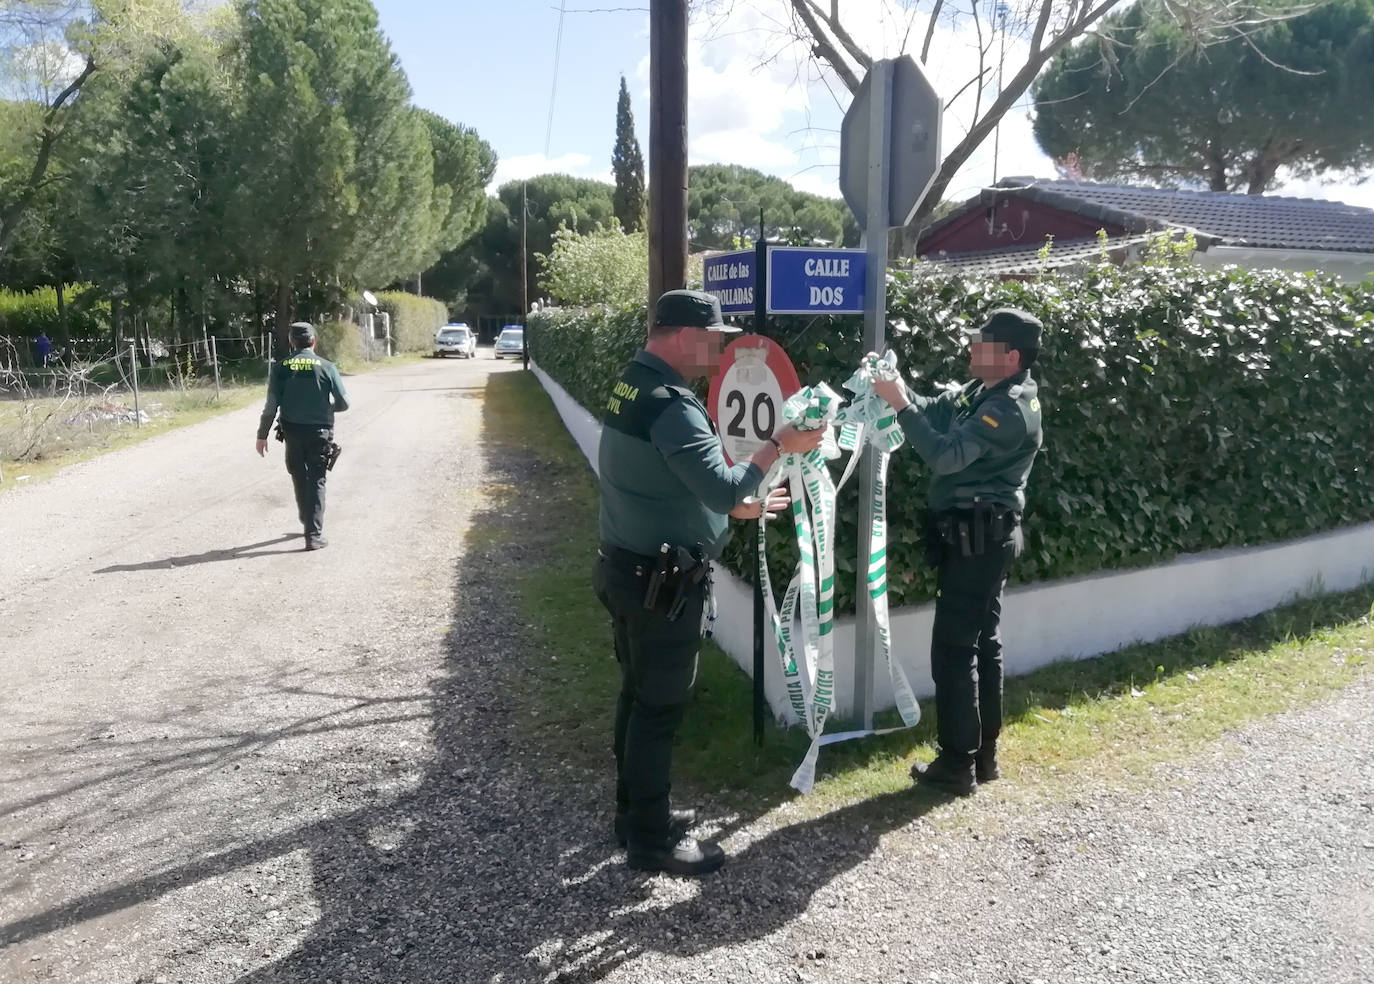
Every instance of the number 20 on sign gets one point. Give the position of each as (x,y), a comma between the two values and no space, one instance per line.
(746,395)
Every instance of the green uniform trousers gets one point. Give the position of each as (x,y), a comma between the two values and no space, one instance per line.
(307,460)
(966,644)
(658,668)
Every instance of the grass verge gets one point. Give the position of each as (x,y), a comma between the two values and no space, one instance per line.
(40,437)
(1112,717)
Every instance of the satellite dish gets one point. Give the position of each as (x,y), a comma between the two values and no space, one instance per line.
(370,297)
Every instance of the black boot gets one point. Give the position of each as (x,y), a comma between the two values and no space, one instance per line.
(945,775)
(687,856)
(679,822)
(985,763)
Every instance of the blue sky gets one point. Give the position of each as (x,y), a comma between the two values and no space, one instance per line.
(755,98)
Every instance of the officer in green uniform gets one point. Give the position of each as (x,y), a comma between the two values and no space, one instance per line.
(980,442)
(308,392)
(666,492)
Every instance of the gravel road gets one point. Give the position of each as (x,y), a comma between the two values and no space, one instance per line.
(223,759)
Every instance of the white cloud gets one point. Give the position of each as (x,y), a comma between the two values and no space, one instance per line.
(744,147)
(821,179)
(1346,190)
(529,165)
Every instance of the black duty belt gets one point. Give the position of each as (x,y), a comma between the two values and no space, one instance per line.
(969,529)
(669,576)
(626,559)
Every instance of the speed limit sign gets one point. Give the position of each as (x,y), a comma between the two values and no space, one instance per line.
(746,395)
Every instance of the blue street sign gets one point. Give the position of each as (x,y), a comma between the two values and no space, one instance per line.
(730,276)
(808,280)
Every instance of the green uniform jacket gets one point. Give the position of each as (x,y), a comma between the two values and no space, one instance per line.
(307,390)
(661,466)
(979,442)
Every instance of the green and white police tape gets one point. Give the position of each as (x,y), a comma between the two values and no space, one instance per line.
(809,672)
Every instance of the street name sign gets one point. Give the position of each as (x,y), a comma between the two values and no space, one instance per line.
(730,276)
(806,280)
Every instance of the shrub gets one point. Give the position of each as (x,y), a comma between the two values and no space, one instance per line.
(605,266)
(1184,409)
(414,320)
(339,341)
(29,314)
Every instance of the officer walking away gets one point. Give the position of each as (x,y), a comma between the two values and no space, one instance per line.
(980,442)
(666,492)
(308,392)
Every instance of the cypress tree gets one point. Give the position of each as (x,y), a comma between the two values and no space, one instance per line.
(628,164)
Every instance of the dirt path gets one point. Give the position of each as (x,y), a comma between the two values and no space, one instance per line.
(176,673)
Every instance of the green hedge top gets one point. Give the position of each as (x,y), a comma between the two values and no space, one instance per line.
(1184,409)
(414,319)
(32,313)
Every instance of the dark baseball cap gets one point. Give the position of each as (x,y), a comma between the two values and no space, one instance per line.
(302,333)
(1013,327)
(690,309)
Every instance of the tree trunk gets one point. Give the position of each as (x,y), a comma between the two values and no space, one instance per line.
(259,316)
(282,328)
(64,332)
(116,319)
(1216,169)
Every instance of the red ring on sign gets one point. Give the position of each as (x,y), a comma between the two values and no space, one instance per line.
(775,359)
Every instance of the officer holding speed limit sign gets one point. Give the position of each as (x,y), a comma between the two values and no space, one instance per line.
(666,495)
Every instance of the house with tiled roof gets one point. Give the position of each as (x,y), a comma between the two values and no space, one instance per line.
(1004,229)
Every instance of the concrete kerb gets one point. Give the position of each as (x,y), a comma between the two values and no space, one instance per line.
(1076,618)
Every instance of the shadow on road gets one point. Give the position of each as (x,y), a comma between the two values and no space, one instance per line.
(209,556)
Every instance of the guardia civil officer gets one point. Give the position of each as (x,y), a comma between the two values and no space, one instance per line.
(666,492)
(980,442)
(308,391)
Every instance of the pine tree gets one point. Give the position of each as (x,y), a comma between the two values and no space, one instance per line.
(628,164)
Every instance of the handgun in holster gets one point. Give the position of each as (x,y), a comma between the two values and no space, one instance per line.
(332,455)
(656,579)
(281,434)
(690,578)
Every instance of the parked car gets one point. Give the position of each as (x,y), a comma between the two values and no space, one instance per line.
(455,339)
(511,342)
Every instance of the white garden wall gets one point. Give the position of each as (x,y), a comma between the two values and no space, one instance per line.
(1070,619)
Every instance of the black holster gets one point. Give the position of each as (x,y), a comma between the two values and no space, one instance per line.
(969,532)
(668,578)
(333,456)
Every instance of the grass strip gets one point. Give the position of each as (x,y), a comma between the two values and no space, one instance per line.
(62,443)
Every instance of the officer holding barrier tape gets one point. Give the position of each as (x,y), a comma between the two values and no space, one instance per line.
(980,442)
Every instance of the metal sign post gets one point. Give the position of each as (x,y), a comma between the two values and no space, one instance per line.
(760,321)
(875,337)
(889,156)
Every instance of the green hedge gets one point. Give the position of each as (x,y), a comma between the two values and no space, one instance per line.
(29,314)
(414,320)
(339,341)
(1185,409)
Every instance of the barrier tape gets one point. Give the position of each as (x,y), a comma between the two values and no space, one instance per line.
(809,673)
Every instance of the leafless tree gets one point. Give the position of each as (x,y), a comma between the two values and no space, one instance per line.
(1039,29)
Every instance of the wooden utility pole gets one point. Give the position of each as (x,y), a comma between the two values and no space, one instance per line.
(667,147)
(524,259)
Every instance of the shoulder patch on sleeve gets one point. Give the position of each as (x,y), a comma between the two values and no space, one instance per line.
(990,420)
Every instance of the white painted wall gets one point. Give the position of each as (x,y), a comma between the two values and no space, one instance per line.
(1050,621)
